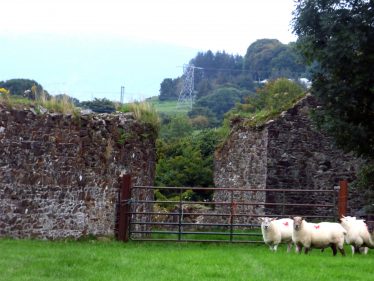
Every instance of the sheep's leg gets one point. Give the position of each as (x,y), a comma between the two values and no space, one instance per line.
(298,248)
(366,250)
(353,249)
(306,250)
(275,247)
(358,249)
(334,251)
(341,250)
(289,246)
(363,250)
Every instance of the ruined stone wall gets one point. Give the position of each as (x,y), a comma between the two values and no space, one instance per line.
(285,153)
(301,157)
(241,163)
(59,173)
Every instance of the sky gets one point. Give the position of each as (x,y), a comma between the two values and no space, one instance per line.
(90,48)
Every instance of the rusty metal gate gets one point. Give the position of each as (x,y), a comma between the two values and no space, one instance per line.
(233,220)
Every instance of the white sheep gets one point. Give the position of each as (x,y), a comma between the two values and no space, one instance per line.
(318,235)
(358,235)
(276,231)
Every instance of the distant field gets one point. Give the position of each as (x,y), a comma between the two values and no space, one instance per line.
(167,107)
(30,260)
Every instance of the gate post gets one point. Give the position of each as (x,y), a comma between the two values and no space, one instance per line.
(343,198)
(123,225)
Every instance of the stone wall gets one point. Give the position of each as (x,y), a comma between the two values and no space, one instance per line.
(59,173)
(235,168)
(302,157)
(285,153)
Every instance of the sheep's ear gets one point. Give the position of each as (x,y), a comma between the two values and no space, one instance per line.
(273,219)
(261,218)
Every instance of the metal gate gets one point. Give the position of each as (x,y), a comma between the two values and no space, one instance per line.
(232,220)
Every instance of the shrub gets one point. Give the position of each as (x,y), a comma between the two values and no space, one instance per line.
(269,101)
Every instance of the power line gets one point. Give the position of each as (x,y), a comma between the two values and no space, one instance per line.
(253,71)
(220,69)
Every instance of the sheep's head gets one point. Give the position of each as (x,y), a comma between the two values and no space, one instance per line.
(347,221)
(265,222)
(297,221)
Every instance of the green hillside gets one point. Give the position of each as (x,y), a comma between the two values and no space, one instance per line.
(167,107)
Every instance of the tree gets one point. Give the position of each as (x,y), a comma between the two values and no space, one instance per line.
(270,59)
(206,112)
(169,89)
(99,105)
(200,122)
(187,161)
(221,100)
(258,57)
(68,98)
(182,165)
(217,69)
(287,63)
(178,127)
(279,94)
(338,37)
(24,87)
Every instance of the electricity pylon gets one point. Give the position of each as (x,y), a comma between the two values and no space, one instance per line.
(187,94)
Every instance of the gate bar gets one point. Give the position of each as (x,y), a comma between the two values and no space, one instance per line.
(237,189)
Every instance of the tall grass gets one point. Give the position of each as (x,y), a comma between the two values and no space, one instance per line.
(144,112)
(28,260)
(63,105)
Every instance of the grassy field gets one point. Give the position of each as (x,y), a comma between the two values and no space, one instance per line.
(93,260)
(222,234)
(167,107)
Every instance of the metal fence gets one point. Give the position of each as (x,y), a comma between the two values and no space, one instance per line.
(233,221)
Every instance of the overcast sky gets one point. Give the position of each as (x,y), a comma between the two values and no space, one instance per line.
(162,29)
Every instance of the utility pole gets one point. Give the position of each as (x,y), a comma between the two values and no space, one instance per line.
(122,94)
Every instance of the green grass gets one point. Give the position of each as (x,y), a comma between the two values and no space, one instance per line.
(24,260)
(167,107)
(208,234)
